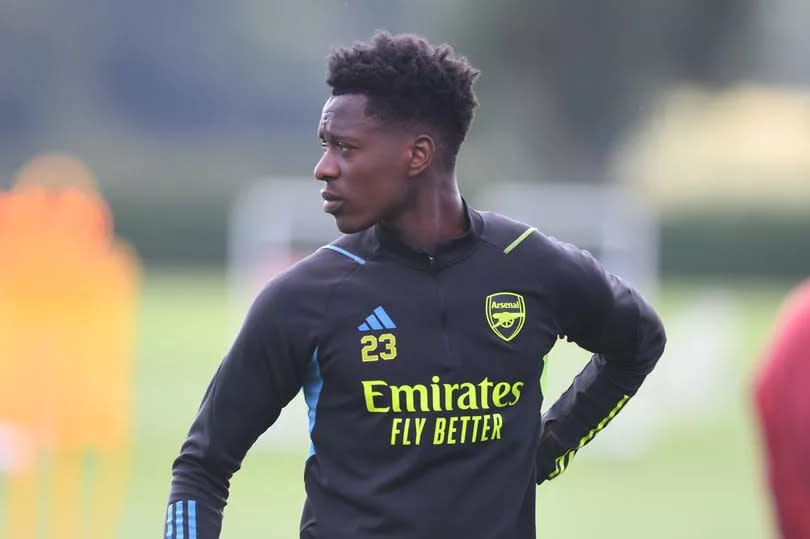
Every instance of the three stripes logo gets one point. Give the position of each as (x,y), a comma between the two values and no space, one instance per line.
(377,320)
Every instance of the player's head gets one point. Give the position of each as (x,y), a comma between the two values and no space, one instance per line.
(399,107)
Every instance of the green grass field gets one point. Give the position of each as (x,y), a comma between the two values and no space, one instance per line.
(698,478)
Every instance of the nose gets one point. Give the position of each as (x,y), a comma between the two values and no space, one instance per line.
(326,169)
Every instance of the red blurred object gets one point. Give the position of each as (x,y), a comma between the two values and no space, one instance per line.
(783,404)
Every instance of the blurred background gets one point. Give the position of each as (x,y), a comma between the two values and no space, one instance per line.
(672,138)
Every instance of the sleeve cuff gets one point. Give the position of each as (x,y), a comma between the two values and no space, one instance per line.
(549,450)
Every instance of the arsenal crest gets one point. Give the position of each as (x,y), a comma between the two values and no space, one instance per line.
(506,313)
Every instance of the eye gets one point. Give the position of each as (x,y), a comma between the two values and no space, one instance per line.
(343,148)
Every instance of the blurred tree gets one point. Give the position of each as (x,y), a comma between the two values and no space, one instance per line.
(594,65)
(24,65)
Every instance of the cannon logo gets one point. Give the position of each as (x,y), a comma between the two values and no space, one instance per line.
(506,312)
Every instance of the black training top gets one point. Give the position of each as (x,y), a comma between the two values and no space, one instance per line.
(421,372)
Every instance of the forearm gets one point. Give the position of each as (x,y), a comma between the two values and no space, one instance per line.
(634,338)
(191,519)
(199,489)
(202,486)
(597,394)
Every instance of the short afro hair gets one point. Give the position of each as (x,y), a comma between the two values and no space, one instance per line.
(406,79)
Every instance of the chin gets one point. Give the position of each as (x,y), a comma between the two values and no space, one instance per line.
(348,225)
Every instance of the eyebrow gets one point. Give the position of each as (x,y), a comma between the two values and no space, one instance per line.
(324,134)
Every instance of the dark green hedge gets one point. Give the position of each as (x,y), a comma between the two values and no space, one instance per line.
(191,228)
(172,229)
(744,244)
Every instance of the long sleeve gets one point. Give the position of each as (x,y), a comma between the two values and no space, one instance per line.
(603,315)
(261,373)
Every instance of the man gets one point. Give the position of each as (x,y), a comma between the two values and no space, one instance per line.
(418,336)
(783,403)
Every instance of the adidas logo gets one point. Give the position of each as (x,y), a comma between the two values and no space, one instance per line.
(378,319)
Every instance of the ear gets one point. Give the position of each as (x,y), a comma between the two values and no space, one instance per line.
(422,149)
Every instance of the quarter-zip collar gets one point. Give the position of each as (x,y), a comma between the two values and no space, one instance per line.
(438,255)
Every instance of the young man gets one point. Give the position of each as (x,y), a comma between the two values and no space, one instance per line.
(783,404)
(418,335)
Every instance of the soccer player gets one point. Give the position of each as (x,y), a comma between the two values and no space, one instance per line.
(417,336)
(783,403)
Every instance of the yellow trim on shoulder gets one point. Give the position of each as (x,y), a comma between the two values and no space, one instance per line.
(519,239)
(564,461)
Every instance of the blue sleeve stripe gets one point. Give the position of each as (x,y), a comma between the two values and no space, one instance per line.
(169,517)
(179,520)
(344,252)
(176,524)
(313,383)
(192,519)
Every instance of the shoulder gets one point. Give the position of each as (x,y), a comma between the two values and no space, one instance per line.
(501,231)
(307,285)
(797,304)
(570,275)
(792,329)
(524,241)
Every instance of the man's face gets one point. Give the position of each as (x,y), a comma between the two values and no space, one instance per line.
(364,164)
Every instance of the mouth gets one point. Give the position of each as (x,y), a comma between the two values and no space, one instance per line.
(331,202)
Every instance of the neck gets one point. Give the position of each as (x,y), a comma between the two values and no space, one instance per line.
(435,213)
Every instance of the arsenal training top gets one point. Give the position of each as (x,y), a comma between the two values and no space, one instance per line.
(421,372)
